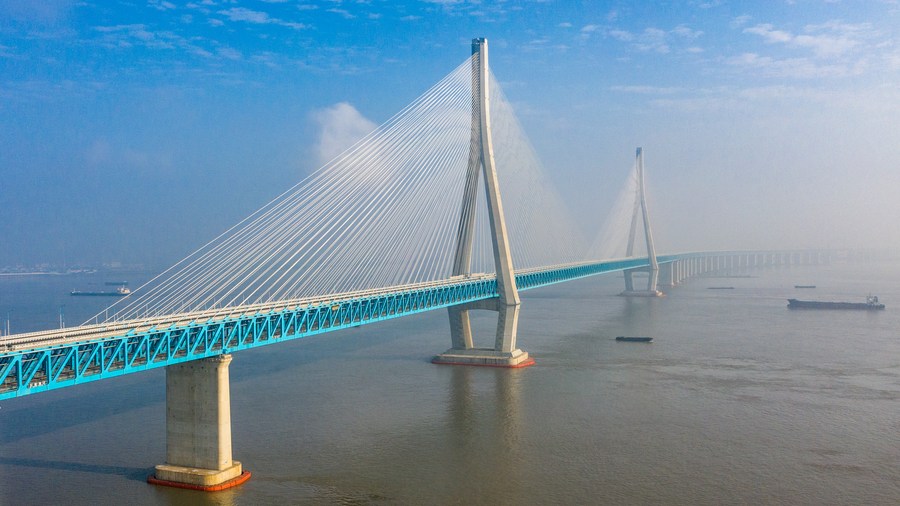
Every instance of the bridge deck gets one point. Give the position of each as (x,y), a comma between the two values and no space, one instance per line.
(46,360)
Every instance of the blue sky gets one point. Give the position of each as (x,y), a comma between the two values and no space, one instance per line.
(136,131)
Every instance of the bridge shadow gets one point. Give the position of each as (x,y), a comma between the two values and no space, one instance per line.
(34,415)
(130,473)
(50,412)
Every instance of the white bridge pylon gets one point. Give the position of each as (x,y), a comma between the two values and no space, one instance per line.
(481,161)
(640,206)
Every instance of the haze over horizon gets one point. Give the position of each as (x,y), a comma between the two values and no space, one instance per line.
(137,132)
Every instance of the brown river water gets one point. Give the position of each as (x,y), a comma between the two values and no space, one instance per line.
(737,401)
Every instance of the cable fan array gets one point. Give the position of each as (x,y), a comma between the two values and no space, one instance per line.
(384,213)
(612,242)
(540,226)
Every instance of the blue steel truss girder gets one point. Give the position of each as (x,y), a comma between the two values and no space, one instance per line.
(29,371)
(41,369)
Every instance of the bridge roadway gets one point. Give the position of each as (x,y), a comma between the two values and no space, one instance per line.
(46,360)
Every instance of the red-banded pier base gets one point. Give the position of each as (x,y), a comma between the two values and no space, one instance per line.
(238,480)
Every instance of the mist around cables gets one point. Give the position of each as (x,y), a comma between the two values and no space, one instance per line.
(612,241)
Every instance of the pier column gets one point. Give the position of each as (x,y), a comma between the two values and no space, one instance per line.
(667,274)
(198,427)
(629,280)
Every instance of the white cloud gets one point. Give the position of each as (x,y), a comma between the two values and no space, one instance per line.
(798,68)
(770,35)
(824,46)
(340,126)
(587,29)
(257,17)
(162,5)
(243,14)
(100,152)
(646,90)
(229,53)
(118,28)
(827,40)
(684,31)
(344,13)
(655,39)
(740,21)
(621,35)
(138,34)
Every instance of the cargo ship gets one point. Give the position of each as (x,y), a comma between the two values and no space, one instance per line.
(119,292)
(634,339)
(870,303)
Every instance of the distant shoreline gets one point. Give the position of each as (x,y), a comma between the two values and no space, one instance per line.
(31,273)
(40,273)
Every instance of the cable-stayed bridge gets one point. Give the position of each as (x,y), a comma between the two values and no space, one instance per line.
(410,219)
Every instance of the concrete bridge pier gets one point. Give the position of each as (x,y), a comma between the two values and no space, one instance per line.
(463,350)
(198,428)
(652,283)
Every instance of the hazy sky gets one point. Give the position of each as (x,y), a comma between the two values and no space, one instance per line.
(136,131)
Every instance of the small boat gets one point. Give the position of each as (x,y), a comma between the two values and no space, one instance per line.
(120,292)
(804,286)
(871,303)
(630,339)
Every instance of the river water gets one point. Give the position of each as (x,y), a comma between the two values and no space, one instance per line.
(737,401)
